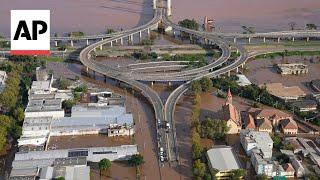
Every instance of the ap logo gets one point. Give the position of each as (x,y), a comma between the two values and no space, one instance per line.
(30,32)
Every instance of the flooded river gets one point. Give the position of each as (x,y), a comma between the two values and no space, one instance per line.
(94,16)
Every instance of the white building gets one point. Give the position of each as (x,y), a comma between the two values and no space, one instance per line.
(243,80)
(3,78)
(111,120)
(256,140)
(44,108)
(42,87)
(222,161)
(260,164)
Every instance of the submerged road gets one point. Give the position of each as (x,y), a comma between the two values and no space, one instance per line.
(166,137)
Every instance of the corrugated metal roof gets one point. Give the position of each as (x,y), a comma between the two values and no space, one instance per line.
(222,158)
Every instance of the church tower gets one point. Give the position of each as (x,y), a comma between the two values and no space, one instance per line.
(229,98)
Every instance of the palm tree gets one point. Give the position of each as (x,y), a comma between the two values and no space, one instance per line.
(104,164)
(136,160)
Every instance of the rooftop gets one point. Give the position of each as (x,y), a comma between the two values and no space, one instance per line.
(222,158)
(87,111)
(243,80)
(262,139)
(44,105)
(92,121)
(86,141)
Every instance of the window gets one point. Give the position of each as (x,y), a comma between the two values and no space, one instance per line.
(77,153)
(105,152)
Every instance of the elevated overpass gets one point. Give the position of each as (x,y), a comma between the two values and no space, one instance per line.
(164,113)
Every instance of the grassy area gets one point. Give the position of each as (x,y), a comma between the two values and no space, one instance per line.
(300,43)
(50,59)
(287,54)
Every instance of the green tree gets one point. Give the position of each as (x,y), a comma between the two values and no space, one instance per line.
(63,83)
(198,168)
(68,104)
(311,26)
(262,177)
(136,160)
(3,137)
(196,87)
(18,114)
(110,31)
(197,150)
(83,88)
(15,130)
(190,24)
(206,84)
(104,164)
(59,178)
(238,174)
(276,140)
(214,129)
(5,121)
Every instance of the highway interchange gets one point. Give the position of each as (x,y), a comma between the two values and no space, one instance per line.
(164,112)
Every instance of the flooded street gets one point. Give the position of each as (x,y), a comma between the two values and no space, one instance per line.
(94,16)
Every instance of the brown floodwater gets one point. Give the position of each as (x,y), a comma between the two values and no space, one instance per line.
(265,15)
(94,16)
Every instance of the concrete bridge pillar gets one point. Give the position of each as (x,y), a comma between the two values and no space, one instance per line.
(148,32)
(87,42)
(293,39)
(278,40)
(237,50)
(111,44)
(131,39)
(237,69)
(152,83)
(87,70)
(71,43)
(140,36)
(249,40)
(242,65)
(264,39)
(102,39)
(169,83)
(55,43)
(101,47)
(234,40)
(308,39)
(121,41)
(154,4)
(229,73)
(169,10)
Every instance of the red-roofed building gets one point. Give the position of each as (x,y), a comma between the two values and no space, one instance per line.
(247,121)
(289,126)
(288,170)
(264,125)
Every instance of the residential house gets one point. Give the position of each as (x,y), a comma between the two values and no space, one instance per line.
(289,126)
